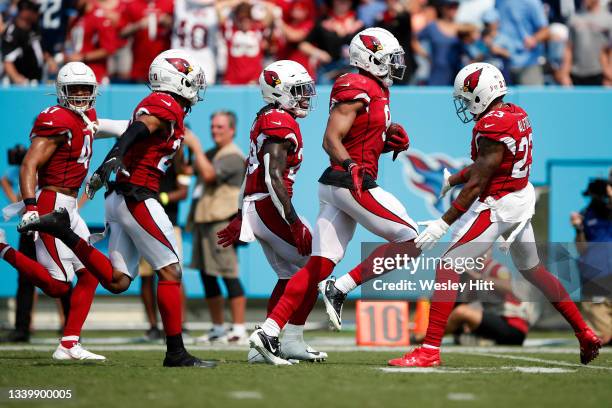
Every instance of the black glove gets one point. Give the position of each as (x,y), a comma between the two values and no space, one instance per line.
(112,164)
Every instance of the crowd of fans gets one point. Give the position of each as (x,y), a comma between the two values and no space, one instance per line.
(533,42)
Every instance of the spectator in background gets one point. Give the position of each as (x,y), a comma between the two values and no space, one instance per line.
(525,23)
(196,31)
(26,291)
(22,52)
(246,39)
(587,57)
(328,42)
(398,21)
(120,63)
(593,239)
(294,28)
(220,175)
(473,11)
(92,39)
(369,10)
(54,22)
(149,24)
(441,37)
(173,189)
(496,47)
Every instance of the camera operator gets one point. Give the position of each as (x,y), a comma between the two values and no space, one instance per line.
(593,238)
(25,290)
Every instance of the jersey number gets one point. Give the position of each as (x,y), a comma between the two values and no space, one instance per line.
(197,37)
(166,160)
(521,169)
(86,151)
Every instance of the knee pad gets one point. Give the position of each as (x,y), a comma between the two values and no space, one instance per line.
(234,287)
(211,286)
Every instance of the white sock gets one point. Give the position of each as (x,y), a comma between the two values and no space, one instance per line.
(218,329)
(293,332)
(345,284)
(4,251)
(428,346)
(271,328)
(239,329)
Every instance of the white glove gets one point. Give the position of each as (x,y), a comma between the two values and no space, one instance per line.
(28,218)
(445,184)
(432,234)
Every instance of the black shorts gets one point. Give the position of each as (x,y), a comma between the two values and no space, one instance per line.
(496,328)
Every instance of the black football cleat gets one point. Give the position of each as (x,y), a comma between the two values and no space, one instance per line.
(184,359)
(268,346)
(333,300)
(56,223)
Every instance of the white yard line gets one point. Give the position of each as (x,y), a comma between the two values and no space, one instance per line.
(539,360)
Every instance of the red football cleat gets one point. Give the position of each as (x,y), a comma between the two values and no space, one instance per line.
(589,345)
(419,357)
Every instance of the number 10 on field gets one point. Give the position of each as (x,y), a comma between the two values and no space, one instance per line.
(382,323)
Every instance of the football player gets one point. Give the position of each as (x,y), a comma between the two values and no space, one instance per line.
(358,132)
(497,200)
(137,222)
(267,213)
(51,174)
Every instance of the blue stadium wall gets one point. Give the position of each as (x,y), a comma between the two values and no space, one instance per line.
(572,133)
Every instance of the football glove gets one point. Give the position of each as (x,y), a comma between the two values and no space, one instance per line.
(28,218)
(230,234)
(112,164)
(356,172)
(397,140)
(432,234)
(302,237)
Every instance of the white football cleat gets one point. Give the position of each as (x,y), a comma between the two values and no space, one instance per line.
(299,350)
(213,337)
(255,357)
(236,338)
(268,347)
(77,352)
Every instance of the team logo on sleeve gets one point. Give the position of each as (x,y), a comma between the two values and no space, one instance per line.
(471,81)
(371,43)
(180,64)
(271,78)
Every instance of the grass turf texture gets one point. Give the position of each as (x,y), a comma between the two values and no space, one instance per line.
(348,379)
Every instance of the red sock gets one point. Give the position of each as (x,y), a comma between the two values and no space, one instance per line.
(36,273)
(442,303)
(555,292)
(169,303)
(80,303)
(308,277)
(301,314)
(276,294)
(94,260)
(365,270)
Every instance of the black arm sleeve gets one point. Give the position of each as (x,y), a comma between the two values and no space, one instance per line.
(135,131)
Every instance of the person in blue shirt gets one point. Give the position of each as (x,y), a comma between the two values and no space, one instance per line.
(525,23)
(593,240)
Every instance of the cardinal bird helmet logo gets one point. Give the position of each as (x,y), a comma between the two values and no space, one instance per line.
(471,81)
(371,43)
(271,78)
(180,64)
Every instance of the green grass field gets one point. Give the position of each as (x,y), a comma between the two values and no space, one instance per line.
(499,377)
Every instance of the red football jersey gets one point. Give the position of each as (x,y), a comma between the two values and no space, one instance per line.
(150,41)
(366,138)
(245,54)
(273,124)
(509,125)
(93,31)
(148,159)
(67,166)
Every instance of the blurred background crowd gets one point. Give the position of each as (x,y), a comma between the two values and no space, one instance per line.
(534,42)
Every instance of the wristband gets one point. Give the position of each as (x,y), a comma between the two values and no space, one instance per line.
(30,204)
(164,199)
(346,164)
(462,174)
(458,206)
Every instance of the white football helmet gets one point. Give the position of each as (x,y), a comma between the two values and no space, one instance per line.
(378,52)
(71,74)
(176,71)
(288,84)
(476,86)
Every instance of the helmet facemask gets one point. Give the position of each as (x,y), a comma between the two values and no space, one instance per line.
(302,98)
(79,103)
(199,83)
(462,109)
(396,66)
